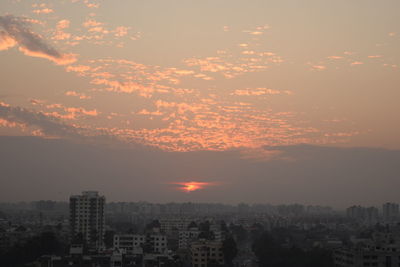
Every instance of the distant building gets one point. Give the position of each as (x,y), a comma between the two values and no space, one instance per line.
(368,215)
(390,212)
(87,219)
(136,244)
(171,225)
(206,253)
(45,205)
(371,215)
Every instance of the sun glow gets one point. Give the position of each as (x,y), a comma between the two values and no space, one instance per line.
(192,186)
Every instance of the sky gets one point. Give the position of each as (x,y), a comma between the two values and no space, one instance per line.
(253,77)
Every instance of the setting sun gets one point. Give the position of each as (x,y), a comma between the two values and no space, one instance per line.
(192,186)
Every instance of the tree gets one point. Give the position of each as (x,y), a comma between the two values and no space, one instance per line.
(109,238)
(229,249)
(205,232)
(224,227)
(152,225)
(204,226)
(239,232)
(22,254)
(270,253)
(192,225)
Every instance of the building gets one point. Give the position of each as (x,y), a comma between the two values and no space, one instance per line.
(171,225)
(390,212)
(87,219)
(137,244)
(368,215)
(383,250)
(206,253)
(187,236)
(357,257)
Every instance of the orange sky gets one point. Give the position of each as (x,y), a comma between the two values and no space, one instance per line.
(202,75)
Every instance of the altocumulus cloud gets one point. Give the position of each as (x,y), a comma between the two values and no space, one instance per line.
(17,31)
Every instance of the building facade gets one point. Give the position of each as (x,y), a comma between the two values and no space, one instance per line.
(383,250)
(186,237)
(135,244)
(206,253)
(87,218)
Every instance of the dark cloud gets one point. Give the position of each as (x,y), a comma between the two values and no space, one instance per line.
(17,30)
(53,127)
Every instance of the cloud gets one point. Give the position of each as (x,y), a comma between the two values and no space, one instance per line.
(357,63)
(51,127)
(318,67)
(258,92)
(79,95)
(43,11)
(30,43)
(335,57)
(59,33)
(88,3)
(6,41)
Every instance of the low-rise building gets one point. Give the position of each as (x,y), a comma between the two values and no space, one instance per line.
(135,244)
(383,250)
(205,253)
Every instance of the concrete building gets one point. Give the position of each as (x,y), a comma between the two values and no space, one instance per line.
(187,236)
(131,244)
(382,251)
(87,218)
(205,253)
(390,212)
(136,244)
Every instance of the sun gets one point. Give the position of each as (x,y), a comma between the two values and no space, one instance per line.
(192,186)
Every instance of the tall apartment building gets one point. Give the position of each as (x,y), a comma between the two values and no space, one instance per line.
(87,218)
(390,212)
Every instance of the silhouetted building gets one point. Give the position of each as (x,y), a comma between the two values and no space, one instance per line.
(87,218)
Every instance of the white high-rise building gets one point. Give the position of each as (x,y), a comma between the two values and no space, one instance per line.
(87,218)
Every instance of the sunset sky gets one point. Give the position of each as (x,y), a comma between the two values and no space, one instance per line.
(210,75)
